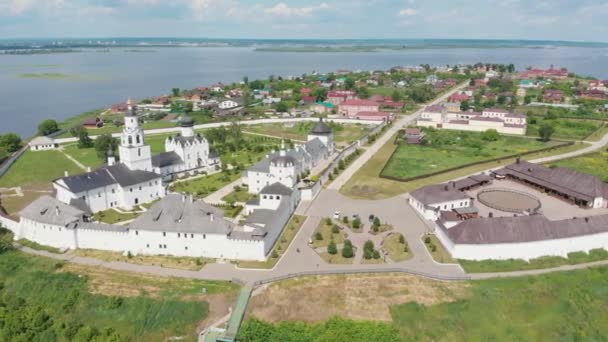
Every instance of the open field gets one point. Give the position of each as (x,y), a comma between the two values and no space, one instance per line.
(366,183)
(138,308)
(314,299)
(280,247)
(39,167)
(183,263)
(484,266)
(449,149)
(564,128)
(86,156)
(595,163)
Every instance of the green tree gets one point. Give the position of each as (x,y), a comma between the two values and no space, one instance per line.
(545,131)
(377,222)
(47,127)
(363,92)
(349,84)
(6,241)
(105,143)
(331,248)
(464,105)
(347,251)
(246,80)
(175,92)
(490,135)
(320,94)
(10,142)
(318,236)
(282,107)
(356,223)
(397,95)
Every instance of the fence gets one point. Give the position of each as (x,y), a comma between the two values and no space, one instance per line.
(361,271)
(426,175)
(11,160)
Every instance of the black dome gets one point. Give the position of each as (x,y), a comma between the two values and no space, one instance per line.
(320,128)
(186,121)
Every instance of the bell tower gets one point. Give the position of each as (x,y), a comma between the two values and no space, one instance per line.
(134,153)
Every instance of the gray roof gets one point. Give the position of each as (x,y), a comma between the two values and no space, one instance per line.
(266,221)
(523,229)
(438,193)
(187,140)
(277,189)
(42,140)
(166,159)
(283,160)
(49,210)
(180,214)
(563,180)
(107,175)
(316,148)
(320,128)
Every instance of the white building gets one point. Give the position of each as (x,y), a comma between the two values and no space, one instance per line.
(228,104)
(187,153)
(438,116)
(286,166)
(42,144)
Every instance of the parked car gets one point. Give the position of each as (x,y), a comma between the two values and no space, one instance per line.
(336,215)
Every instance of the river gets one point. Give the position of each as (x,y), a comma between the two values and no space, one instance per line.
(40,86)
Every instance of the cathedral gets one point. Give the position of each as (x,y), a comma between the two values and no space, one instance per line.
(137,177)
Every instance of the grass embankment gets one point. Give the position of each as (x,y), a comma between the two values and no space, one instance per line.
(280,247)
(396,249)
(37,246)
(488,266)
(449,149)
(183,263)
(366,183)
(437,250)
(77,301)
(595,163)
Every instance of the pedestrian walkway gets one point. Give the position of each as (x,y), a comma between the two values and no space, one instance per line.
(238,313)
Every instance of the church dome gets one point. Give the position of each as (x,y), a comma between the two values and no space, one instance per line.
(186,121)
(320,128)
(283,161)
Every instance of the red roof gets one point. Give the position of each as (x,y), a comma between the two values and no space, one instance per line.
(378,114)
(459,97)
(359,102)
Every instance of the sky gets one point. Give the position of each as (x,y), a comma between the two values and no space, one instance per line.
(577,20)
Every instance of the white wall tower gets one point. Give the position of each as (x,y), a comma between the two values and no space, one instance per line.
(132,150)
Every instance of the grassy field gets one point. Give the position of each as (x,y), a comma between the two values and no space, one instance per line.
(39,167)
(448,149)
(280,247)
(562,306)
(396,250)
(366,183)
(242,195)
(203,186)
(437,250)
(599,134)
(593,163)
(85,156)
(574,258)
(139,308)
(565,128)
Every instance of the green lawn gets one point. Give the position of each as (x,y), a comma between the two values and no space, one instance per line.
(565,128)
(327,235)
(437,250)
(449,149)
(484,266)
(595,163)
(86,156)
(149,310)
(111,216)
(396,250)
(39,167)
(562,306)
(203,186)
(242,196)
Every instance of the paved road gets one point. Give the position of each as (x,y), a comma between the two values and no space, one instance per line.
(399,124)
(228,123)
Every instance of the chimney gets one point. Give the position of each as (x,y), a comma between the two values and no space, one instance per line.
(490,214)
(211,217)
(66,173)
(57,211)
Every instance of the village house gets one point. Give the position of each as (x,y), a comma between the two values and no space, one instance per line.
(350,108)
(42,144)
(553,96)
(339,96)
(438,116)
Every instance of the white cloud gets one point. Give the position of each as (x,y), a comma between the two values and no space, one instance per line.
(407,12)
(283,10)
(17,7)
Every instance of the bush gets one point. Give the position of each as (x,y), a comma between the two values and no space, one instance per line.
(328,222)
(356,223)
(433,248)
(274,254)
(345,219)
(376,254)
(113,302)
(335,229)
(332,249)
(318,236)
(427,240)
(377,222)
(401,238)
(347,252)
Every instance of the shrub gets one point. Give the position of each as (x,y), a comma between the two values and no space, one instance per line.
(318,236)
(335,229)
(113,302)
(427,240)
(401,238)
(369,245)
(357,223)
(433,248)
(332,249)
(328,221)
(345,219)
(129,255)
(368,254)
(376,254)
(377,222)
(274,254)
(347,242)
(347,252)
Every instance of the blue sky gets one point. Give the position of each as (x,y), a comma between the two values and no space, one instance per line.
(483,19)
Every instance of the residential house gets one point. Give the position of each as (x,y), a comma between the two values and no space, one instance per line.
(350,108)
